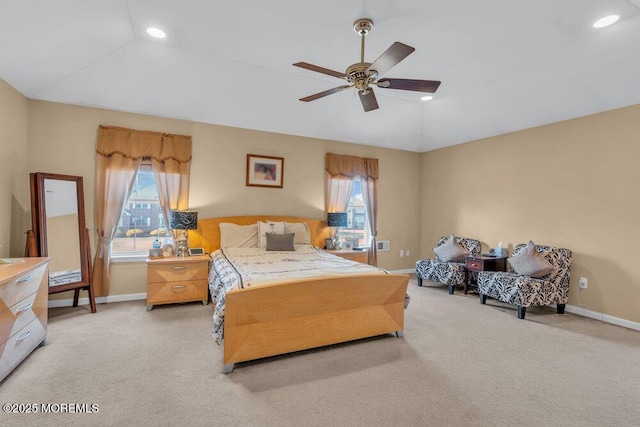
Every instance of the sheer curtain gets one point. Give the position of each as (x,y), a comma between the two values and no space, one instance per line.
(338,191)
(172,179)
(371,205)
(341,170)
(120,153)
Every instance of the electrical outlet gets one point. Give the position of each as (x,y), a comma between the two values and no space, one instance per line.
(582,283)
(401,253)
(408,252)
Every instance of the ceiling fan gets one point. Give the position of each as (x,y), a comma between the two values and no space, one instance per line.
(362,75)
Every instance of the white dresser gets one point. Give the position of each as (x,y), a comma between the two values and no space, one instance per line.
(24,295)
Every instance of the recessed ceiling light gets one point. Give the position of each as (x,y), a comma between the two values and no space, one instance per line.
(426,98)
(155,32)
(606,21)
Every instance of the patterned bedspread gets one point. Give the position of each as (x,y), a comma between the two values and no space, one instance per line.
(239,268)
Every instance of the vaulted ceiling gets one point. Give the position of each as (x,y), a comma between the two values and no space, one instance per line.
(505,65)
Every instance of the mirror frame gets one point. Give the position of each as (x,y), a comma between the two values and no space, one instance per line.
(39,225)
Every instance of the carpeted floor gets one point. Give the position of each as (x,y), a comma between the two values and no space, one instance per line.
(459,364)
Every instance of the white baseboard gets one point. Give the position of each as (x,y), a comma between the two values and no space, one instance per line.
(407,271)
(603,317)
(99,300)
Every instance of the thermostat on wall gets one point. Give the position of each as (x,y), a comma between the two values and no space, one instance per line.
(196,251)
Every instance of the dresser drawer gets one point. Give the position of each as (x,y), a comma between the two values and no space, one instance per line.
(22,286)
(22,343)
(178,272)
(17,316)
(165,292)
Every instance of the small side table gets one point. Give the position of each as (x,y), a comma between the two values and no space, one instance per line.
(482,263)
(177,279)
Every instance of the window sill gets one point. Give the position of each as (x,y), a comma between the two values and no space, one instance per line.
(116,259)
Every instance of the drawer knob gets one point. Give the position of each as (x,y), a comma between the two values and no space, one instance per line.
(179,267)
(24,279)
(23,336)
(178,287)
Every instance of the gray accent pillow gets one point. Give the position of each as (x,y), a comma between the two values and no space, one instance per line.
(530,263)
(280,242)
(450,251)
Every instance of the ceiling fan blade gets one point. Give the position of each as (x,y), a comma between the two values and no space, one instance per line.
(429,86)
(318,69)
(325,93)
(396,53)
(369,101)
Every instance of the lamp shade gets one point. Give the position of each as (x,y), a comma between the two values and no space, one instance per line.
(337,219)
(183,220)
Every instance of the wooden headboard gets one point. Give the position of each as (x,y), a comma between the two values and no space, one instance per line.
(207,235)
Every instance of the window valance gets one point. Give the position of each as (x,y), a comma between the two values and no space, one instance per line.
(351,166)
(135,144)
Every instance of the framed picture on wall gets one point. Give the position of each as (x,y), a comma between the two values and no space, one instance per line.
(264,171)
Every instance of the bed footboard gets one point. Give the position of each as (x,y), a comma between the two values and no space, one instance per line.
(298,315)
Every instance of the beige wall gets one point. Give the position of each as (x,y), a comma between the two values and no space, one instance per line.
(572,184)
(14,183)
(62,139)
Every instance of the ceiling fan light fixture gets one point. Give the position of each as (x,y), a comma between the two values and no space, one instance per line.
(156,32)
(606,21)
(426,98)
(362,75)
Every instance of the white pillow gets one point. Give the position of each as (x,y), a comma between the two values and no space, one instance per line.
(451,251)
(301,230)
(268,227)
(530,263)
(238,236)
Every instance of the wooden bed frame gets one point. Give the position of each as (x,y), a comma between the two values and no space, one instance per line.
(302,314)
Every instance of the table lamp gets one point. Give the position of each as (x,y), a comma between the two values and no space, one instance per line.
(181,221)
(336,220)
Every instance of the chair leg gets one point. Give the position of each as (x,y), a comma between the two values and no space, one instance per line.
(521,311)
(451,289)
(419,281)
(483,298)
(560,308)
(76,296)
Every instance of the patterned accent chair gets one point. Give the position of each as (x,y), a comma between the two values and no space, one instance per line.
(447,273)
(524,291)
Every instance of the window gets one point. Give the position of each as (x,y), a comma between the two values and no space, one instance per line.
(357,230)
(142,220)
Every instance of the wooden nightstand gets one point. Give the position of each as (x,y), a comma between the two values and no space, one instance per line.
(482,263)
(357,256)
(177,279)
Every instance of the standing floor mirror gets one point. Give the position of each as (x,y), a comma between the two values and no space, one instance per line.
(59,232)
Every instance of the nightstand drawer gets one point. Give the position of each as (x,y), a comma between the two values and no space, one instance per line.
(357,256)
(176,272)
(180,291)
(474,264)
